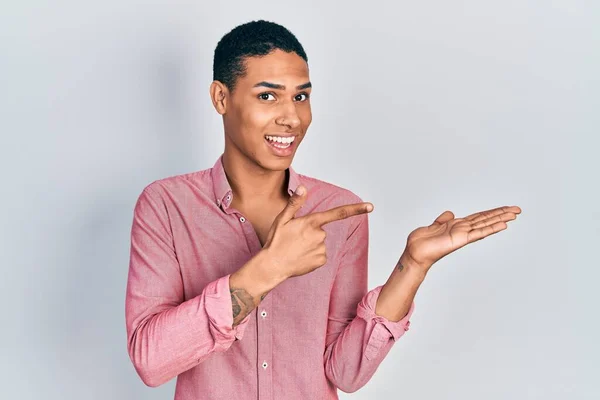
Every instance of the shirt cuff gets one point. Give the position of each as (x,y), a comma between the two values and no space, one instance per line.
(393,329)
(219,309)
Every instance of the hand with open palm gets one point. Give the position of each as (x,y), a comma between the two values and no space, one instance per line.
(426,245)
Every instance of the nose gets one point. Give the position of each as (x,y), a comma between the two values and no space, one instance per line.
(289,115)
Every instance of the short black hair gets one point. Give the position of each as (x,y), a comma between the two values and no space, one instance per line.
(252,39)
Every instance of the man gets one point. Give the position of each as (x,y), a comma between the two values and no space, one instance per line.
(248,280)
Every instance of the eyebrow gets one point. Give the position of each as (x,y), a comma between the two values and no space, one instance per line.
(282,87)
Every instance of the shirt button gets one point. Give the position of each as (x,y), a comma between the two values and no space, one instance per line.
(265,365)
(242,219)
(263,314)
(228,197)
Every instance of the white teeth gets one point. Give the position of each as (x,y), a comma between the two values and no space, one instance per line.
(280,139)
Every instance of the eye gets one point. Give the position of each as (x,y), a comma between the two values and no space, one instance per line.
(265,96)
(302,94)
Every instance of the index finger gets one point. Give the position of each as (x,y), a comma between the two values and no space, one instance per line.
(342,212)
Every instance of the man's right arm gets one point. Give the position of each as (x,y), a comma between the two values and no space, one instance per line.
(250,284)
(165,334)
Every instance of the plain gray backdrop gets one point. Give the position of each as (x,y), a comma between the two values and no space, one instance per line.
(418,107)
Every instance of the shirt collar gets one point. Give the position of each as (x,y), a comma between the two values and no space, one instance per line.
(222,189)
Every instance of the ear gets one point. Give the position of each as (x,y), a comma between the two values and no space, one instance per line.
(219,94)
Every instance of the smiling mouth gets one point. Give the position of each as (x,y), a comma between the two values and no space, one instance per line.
(280,142)
(282,146)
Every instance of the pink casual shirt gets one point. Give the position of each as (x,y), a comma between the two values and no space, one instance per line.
(311,335)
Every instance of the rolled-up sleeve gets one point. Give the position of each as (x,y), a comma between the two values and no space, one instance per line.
(382,328)
(165,334)
(357,339)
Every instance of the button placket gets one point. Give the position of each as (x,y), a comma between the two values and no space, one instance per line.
(264,356)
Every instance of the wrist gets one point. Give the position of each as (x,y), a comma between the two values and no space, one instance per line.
(256,277)
(407,264)
(268,271)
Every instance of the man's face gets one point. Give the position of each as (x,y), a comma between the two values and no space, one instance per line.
(272,99)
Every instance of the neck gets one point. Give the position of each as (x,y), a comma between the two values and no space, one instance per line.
(251,183)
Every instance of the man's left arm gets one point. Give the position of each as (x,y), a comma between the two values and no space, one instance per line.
(364,325)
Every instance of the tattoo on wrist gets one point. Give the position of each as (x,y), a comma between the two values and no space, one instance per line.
(400,266)
(241,304)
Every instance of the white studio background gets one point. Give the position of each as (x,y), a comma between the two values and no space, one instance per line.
(418,107)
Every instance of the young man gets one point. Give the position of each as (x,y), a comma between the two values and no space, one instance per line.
(248,280)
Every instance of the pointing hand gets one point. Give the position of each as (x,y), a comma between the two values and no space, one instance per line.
(297,245)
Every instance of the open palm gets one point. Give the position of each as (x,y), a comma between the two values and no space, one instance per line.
(426,245)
